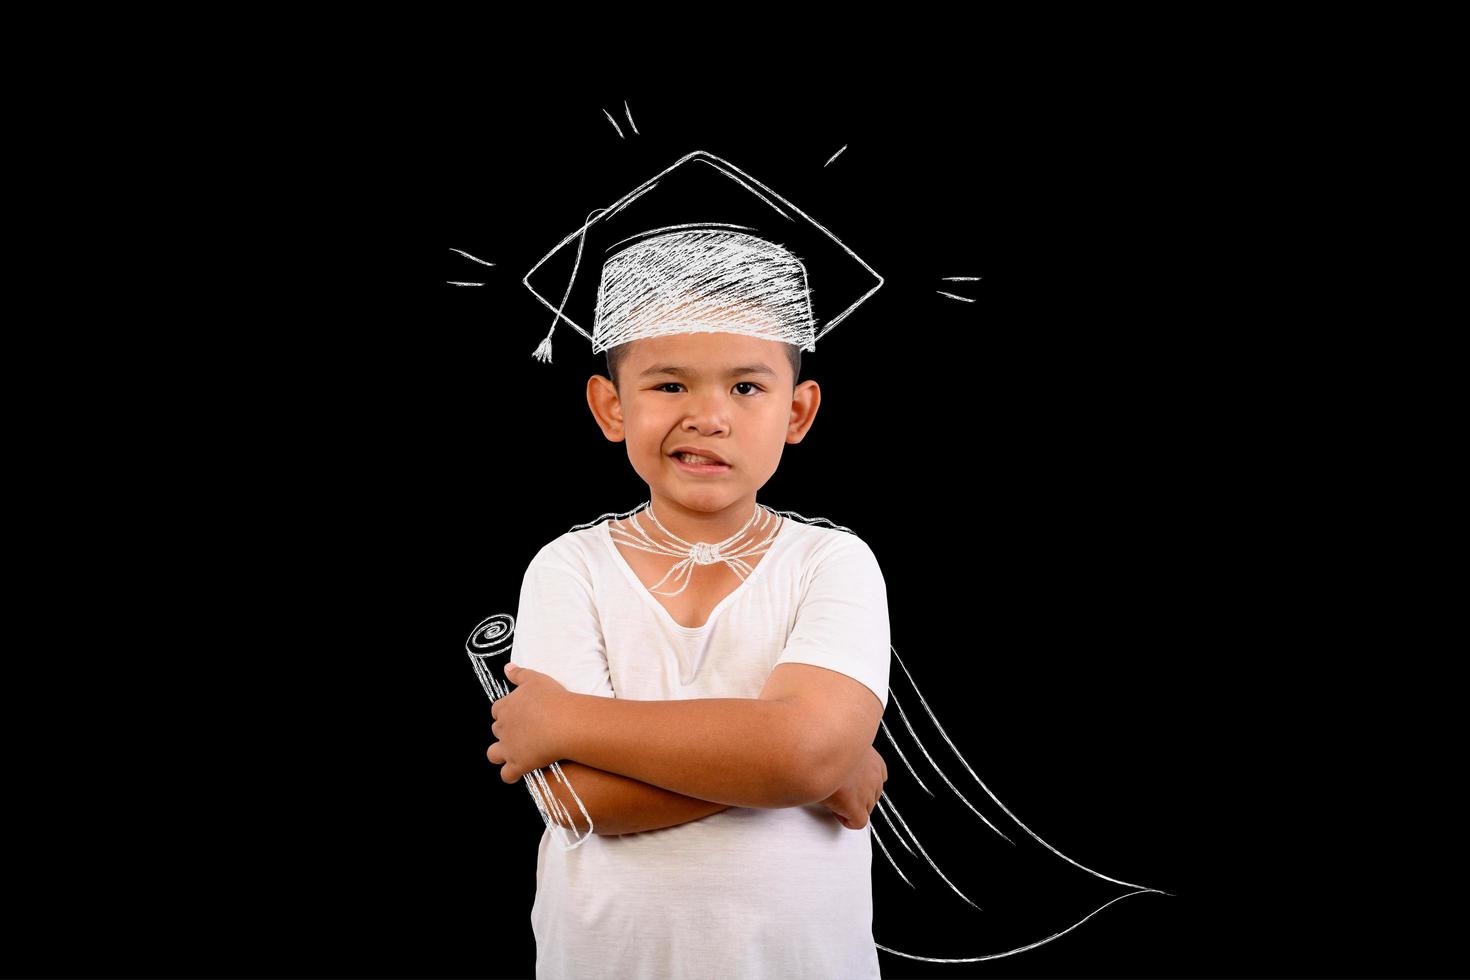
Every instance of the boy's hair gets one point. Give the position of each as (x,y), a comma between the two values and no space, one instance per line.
(616,354)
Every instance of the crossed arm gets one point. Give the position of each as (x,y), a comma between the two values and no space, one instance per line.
(646,765)
(651,764)
(620,805)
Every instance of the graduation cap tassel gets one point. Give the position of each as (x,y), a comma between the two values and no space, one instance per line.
(543,349)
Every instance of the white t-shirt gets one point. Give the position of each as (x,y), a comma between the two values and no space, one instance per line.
(747,892)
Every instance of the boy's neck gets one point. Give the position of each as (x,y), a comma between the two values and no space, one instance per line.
(695,526)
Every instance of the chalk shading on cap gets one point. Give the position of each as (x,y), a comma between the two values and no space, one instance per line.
(700,247)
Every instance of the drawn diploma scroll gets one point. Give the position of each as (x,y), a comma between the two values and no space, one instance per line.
(492,639)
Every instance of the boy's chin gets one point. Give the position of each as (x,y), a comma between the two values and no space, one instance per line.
(704,502)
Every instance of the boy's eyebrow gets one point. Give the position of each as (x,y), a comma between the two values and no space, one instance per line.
(684,372)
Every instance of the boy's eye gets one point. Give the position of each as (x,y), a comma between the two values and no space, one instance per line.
(676,384)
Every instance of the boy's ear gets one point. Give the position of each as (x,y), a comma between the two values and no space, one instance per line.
(607,408)
(806,398)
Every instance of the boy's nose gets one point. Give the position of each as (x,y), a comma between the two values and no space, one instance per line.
(706,425)
(708,413)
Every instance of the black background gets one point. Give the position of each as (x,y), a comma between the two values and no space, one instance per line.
(1125,613)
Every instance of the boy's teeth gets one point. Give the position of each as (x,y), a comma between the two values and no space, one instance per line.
(691,458)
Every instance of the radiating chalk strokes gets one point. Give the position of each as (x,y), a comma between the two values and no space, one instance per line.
(628,112)
(962,299)
(472,259)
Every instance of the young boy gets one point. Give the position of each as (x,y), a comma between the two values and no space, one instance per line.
(716,670)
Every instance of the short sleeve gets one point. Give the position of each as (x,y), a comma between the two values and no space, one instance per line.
(842,622)
(558,631)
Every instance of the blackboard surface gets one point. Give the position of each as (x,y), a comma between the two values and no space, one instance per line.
(1128,616)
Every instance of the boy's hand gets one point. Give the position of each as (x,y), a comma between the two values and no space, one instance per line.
(855,799)
(527,723)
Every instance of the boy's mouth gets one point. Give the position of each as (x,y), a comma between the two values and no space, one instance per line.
(695,463)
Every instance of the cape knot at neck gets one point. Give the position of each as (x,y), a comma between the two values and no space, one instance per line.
(704,553)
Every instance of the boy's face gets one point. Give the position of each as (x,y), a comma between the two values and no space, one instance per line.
(704,390)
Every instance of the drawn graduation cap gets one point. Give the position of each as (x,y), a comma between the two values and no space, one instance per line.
(700,247)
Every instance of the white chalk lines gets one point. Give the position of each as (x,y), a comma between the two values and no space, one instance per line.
(904,833)
(734,258)
(614,122)
(962,299)
(472,259)
(493,638)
